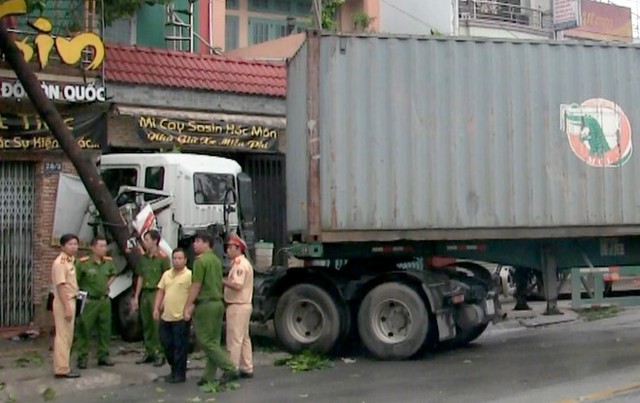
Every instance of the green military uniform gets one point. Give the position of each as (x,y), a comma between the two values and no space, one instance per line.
(149,271)
(93,277)
(207,270)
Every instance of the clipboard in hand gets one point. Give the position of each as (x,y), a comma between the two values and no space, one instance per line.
(81,300)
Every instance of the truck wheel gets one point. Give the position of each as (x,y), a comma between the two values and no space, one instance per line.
(393,321)
(308,317)
(129,323)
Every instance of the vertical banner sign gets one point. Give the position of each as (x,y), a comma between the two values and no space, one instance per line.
(566,14)
(194,134)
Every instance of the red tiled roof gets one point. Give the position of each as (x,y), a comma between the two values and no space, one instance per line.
(167,68)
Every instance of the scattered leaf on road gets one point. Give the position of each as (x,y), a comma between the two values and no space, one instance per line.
(467,361)
(159,389)
(2,385)
(348,360)
(11,399)
(305,361)
(591,314)
(305,395)
(194,399)
(29,359)
(49,394)
(160,400)
(215,387)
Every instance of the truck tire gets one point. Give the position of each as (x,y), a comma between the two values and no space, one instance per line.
(129,324)
(393,321)
(307,317)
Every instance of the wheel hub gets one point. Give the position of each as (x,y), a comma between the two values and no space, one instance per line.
(391,321)
(305,321)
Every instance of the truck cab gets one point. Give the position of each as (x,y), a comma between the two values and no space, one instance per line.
(187,192)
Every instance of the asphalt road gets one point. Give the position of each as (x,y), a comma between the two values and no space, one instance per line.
(580,361)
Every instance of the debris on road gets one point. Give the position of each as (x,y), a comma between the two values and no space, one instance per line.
(596,313)
(305,361)
(49,394)
(28,360)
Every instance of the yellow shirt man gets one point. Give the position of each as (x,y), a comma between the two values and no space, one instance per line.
(172,295)
(176,291)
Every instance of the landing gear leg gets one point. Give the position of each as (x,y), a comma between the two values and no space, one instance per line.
(521,278)
(550,282)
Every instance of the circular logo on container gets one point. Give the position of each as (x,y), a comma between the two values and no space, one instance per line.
(598,131)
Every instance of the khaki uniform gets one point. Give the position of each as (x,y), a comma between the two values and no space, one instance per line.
(239,314)
(63,272)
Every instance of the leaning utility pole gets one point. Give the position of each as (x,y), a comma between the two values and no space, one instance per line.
(88,174)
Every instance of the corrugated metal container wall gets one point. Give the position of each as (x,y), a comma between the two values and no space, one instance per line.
(296,145)
(469,134)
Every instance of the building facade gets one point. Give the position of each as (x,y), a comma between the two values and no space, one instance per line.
(31,159)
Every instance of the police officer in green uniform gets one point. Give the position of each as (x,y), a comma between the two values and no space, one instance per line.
(150,269)
(95,274)
(206,306)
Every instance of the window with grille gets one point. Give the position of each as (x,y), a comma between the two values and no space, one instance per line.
(262,30)
(232,29)
(290,7)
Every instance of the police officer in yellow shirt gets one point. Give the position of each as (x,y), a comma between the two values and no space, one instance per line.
(238,294)
(65,286)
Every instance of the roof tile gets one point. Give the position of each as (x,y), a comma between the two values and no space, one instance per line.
(167,68)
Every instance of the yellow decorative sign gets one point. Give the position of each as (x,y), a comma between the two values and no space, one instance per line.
(69,50)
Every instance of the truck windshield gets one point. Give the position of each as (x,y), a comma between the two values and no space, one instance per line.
(211,188)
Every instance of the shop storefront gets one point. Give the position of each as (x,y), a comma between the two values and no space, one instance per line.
(207,105)
(31,161)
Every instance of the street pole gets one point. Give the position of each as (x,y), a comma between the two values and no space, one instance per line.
(86,170)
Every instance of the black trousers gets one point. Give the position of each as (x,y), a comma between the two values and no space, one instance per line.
(174,337)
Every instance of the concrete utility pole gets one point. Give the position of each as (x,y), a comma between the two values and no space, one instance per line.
(88,174)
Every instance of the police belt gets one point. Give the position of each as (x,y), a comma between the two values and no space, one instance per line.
(205,300)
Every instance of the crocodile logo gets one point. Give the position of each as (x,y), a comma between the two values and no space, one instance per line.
(598,131)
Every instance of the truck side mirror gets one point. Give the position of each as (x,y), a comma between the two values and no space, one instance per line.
(245,196)
(247,212)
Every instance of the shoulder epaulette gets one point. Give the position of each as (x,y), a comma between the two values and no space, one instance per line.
(107,258)
(84,259)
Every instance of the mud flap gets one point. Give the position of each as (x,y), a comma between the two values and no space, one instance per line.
(446,324)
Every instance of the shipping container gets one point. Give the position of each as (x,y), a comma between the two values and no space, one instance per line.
(432,138)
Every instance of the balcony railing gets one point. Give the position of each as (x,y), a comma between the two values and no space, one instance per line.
(504,12)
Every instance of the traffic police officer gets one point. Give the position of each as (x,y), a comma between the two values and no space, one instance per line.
(206,294)
(238,293)
(95,275)
(150,269)
(65,286)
